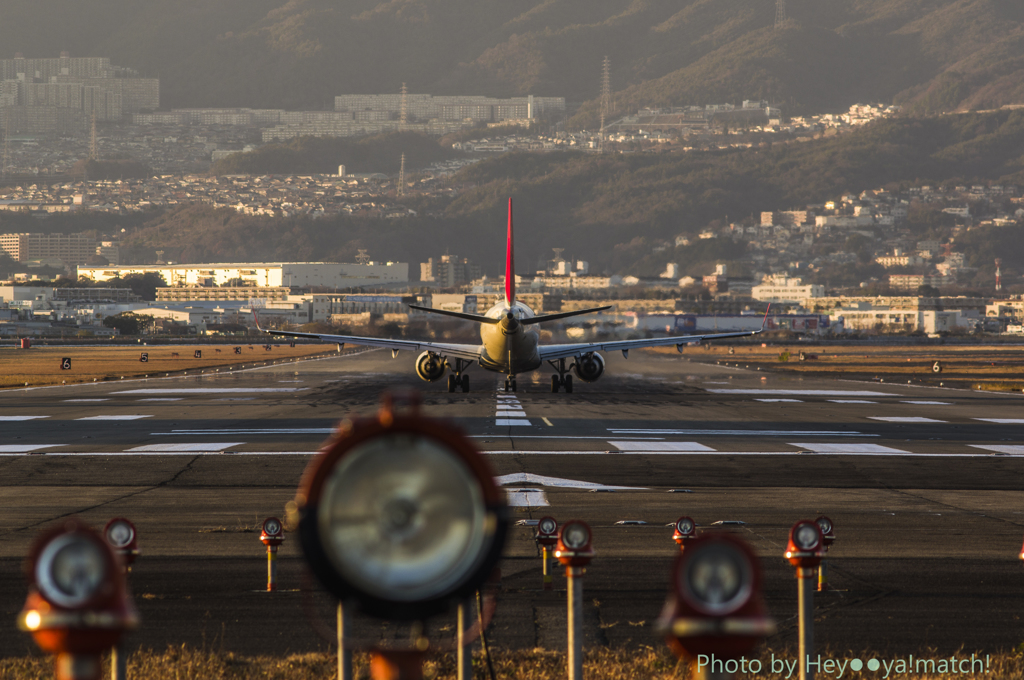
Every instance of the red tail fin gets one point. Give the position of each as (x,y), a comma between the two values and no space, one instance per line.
(510,265)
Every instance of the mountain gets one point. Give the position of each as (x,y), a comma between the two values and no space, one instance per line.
(929,55)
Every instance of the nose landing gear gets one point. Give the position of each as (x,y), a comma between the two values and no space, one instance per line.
(510,384)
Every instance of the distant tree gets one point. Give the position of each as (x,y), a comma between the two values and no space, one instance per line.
(928,291)
(128,323)
(143,285)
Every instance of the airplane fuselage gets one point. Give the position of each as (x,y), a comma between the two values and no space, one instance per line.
(509,346)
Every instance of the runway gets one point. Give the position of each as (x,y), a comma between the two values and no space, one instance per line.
(923,484)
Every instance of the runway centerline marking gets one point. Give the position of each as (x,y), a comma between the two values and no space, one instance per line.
(174,448)
(848,448)
(8,419)
(634,446)
(906,419)
(114,417)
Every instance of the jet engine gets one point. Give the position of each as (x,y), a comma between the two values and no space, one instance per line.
(589,367)
(430,366)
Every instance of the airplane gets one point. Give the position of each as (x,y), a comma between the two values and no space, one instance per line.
(509,342)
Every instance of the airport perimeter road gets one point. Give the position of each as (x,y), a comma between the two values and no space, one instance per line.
(924,486)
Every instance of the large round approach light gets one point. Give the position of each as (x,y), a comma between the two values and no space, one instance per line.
(401,515)
(805,537)
(402,519)
(717,579)
(71,570)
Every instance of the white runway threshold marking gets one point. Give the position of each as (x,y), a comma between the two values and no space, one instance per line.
(163,399)
(658,447)
(1007,449)
(176,448)
(772,401)
(25,448)
(113,417)
(847,448)
(526,498)
(807,393)
(906,419)
(85,400)
(210,390)
(852,401)
(8,419)
(928,403)
(1002,421)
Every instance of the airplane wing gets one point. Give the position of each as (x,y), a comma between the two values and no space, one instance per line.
(551,352)
(470,352)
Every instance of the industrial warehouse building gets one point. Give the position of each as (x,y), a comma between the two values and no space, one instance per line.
(262,275)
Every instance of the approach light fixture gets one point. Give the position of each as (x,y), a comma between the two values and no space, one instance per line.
(685,529)
(806,545)
(120,534)
(401,514)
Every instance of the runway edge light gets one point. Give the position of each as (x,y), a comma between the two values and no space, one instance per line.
(78,605)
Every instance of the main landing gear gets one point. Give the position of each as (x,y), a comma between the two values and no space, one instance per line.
(459,379)
(510,384)
(563,379)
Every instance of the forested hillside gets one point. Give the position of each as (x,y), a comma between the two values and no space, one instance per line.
(931,55)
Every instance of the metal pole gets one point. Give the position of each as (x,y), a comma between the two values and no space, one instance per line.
(805,589)
(575,576)
(823,576)
(271,568)
(547,574)
(344,655)
(465,653)
(118,663)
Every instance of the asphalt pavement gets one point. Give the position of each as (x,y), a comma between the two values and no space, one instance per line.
(923,485)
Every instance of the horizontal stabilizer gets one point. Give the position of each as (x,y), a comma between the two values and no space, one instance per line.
(561,315)
(479,318)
